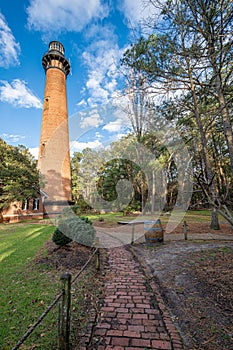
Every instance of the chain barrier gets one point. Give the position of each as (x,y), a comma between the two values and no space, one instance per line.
(63,335)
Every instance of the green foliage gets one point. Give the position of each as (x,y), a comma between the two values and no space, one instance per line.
(134,206)
(75,208)
(60,239)
(19,177)
(26,291)
(114,171)
(75,165)
(86,220)
(81,206)
(29,286)
(170,58)
(73,227)
(78,229)
(84,167)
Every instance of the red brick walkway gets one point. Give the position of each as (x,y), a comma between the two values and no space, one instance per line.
(133,315)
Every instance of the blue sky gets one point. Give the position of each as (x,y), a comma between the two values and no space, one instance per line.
(95,33)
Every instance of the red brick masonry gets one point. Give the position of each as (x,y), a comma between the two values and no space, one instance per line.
(133,315)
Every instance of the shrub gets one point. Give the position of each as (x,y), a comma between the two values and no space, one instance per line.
(86,220)
(132,207)
(60,239)
(82,207)
(78,229)
(71,210)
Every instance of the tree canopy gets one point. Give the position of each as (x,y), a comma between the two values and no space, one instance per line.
(19,177)
(187,61)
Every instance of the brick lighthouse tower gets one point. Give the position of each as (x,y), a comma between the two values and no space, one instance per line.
(54,156)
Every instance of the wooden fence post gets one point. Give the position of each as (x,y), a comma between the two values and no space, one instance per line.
(64,313)
(97,242)
(132,236)
(185,227)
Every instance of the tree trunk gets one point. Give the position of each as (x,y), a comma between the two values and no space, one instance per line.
(214,220)
(210,178)
(153,192)
(226,126)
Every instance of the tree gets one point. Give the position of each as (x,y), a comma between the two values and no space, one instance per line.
(19,176)
(213,21)
(75,164)
(114,171)
(183,54)
(138,103)
(84,168)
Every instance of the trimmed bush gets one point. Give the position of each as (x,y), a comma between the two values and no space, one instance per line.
(78,229)
(60,239)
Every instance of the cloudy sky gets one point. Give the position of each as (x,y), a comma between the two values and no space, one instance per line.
(95,33)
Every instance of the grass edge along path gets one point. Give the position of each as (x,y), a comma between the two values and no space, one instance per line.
(25,289)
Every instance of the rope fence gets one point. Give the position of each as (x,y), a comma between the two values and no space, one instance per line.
(64,307)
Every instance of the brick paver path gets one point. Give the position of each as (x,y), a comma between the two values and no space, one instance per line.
(133,315)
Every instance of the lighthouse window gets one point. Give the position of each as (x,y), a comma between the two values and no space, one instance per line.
(56,46)
(43,144)
(46,102)
(53,46)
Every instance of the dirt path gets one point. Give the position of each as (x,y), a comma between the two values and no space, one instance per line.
(196,282)
(195,278)
(117,235)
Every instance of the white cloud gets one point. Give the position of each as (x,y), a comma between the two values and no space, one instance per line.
(34,151)
(18,94)
(79,146)
(93,120)
(102,59)
(98,135)
(9,48)
(12,138)
(62,15)
(137,11)
(82,103)
(114,126)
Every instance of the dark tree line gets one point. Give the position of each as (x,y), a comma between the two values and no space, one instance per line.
(19,177)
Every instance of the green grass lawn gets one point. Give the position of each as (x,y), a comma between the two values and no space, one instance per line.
(109,218)
(190,216)
(25,289)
